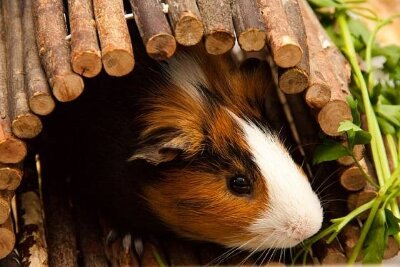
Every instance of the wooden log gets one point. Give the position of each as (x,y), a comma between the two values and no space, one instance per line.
(5,205)
(218,25)
(39,97)
(32,243)
(285,49)
(154,28)
(352,179)
(12,150)
(250,29)
(7,238)
(10,176)
(185,21)
(54,51)
(349,237)
(85,51)
(355,200)
(24,124)
(180,253)
(116,47)
(89,233)
(336,74)
(358,152)
(293,80)
(392,248)
(330,254)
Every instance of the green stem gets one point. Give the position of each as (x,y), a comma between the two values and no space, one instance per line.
(365,229)
(364,174)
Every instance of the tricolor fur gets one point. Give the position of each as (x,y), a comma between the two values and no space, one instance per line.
(175,136)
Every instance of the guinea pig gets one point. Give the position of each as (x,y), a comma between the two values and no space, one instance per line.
(187,140)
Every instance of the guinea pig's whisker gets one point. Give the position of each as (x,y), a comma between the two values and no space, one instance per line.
(227,254)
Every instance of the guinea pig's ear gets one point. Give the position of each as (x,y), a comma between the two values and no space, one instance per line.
(163,151)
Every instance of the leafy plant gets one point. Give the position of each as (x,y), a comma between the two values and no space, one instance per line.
(376,86)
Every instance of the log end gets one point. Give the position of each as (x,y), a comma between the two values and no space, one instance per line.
(26,126)
(252,39)
(288,54)
(219,42)
(12,150)
(188,29)
(67,87)
(42,103)
(392,248)
(161,46)
(318,95)
(4,210)
(10,178)
(358,152)
(7,242)
(293,81)
(118,62)
(331,115)
(87,64)
(352,179)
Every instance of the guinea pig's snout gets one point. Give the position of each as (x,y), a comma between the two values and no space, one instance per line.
(298,230)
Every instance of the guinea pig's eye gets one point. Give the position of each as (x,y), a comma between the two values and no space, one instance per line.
(240,185)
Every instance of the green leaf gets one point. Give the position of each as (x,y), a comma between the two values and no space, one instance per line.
(347,125)
(392,223)
(362,138)
(385,126)
(329,151)
(390,112)
(375,93)
(391,53)
(353,104)
(375,242)
(360,32)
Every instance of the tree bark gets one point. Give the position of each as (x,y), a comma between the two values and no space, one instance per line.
(39,97)
(85,51)
(7,238)
(24,124)
(154,28)
(32,243)
(185,21)
(218,25)
(54,50)
(285,49)
(116,47)
(250,29)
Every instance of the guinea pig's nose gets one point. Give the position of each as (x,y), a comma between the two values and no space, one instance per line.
(303,228)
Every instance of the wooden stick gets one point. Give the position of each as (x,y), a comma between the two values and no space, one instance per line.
(355,200)
(349,237)
(332,253)
(358,152)
(392,248)
(24,124)
(336,74)
(5,204)
(116,47)
(85,51)
(10,177)
(352,179)
(7,238)
(154,28)
(31,242)
(250,29)
(50,30)
(39,97)
(218,25)
(12,150)
(89,234)
(186,21)
(284,46)
(293,80)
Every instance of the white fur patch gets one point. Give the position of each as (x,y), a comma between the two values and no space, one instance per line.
(293,212)
(185,72)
